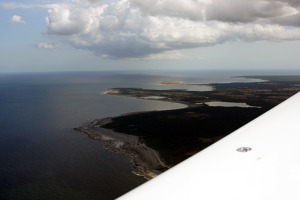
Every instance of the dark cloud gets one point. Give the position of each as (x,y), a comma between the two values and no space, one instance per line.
(246,10)
(129,47)
(294,3)
(291,20)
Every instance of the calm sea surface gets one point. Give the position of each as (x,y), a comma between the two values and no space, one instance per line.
(42,157)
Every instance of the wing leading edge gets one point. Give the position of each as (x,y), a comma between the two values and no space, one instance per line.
(259,161)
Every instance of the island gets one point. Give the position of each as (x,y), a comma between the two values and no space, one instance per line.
(171,82)
(158,140)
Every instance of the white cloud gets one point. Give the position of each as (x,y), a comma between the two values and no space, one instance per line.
(16,19)
(14,5)
(191,9)
(221,10)
(144,28)
(46,45)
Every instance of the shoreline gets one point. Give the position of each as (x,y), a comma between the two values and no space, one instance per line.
(133,134)
(146,161)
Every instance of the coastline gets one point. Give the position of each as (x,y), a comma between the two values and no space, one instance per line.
(127,134)
(146,161)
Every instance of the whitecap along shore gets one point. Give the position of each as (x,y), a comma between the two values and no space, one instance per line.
(146,161)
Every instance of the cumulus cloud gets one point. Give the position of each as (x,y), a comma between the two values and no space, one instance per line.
(46,45)
(62,21)
(161,28)
(16,19)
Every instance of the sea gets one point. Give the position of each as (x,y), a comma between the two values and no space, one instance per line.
(42,157)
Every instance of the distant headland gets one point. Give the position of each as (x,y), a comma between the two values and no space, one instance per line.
(157,140)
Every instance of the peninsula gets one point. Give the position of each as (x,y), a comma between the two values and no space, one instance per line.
(157,140)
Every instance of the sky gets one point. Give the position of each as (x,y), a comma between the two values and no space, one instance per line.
(79,35)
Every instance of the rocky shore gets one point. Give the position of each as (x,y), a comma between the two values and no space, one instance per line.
(146,161)
(178,134)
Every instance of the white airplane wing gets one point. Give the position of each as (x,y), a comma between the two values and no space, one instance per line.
(259,161)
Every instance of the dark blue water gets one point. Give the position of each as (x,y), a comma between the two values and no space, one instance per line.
(42,157)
